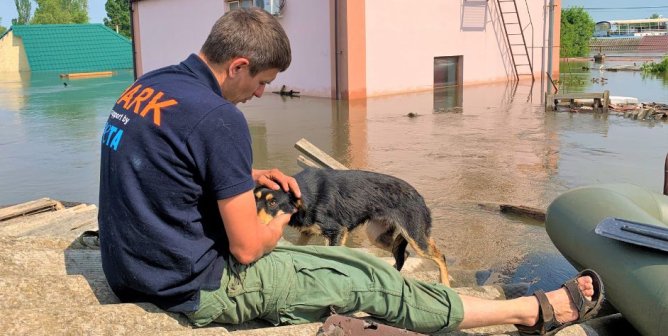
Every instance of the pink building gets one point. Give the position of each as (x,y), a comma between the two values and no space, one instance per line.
(352,49)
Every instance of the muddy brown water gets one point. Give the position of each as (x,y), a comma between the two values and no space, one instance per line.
(483,144)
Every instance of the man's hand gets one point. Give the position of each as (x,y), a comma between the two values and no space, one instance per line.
(275,179)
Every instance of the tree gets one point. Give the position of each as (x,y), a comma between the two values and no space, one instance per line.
(655,16)
(23,8)
(60,11)
(577,28)
(118,16)
(2,28)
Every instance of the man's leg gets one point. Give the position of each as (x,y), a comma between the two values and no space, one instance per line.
(347,281)
(479,312)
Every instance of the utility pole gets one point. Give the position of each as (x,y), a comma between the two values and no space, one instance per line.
(550,39)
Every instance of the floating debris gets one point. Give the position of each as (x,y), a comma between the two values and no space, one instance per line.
(285,92)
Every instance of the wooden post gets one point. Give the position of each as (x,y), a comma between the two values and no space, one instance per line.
(318,156)
(606,100)
(549,102)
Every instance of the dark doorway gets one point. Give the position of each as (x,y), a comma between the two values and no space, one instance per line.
(448,83)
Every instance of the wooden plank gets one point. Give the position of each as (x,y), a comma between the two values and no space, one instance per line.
(87,74)
(306,163)
(68,227)
(39,205)
(589,95)
(317,155)
(20,225)
(521,210)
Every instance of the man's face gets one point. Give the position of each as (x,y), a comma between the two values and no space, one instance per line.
(243,86)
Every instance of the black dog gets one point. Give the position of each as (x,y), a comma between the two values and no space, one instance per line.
(334,202)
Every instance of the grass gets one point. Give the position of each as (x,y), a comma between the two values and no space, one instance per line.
(656,68)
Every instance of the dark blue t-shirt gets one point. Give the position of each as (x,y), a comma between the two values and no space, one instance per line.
(171,148)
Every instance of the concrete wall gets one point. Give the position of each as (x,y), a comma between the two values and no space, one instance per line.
(12,54)
(402,42)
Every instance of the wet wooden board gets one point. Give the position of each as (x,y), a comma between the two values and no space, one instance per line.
(31,207)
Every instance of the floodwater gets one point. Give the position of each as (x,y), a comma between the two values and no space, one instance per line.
(490,143)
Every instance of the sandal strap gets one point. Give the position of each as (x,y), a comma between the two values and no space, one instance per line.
(586,308)
(546,318)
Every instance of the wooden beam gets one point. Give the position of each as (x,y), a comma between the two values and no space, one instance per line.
(306,163)
(40,205)
(317,155)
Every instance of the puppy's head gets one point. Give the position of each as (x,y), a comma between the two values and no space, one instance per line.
(271,203)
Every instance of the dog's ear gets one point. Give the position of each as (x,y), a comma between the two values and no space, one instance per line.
(257,192)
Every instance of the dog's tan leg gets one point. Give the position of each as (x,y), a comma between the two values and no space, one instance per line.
(344,237)
(434,254)
(440,260)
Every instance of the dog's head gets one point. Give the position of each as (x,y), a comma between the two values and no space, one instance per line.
(271,203)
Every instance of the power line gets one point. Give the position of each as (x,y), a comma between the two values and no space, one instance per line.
(618,8)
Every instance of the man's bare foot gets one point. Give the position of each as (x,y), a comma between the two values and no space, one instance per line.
(564,307)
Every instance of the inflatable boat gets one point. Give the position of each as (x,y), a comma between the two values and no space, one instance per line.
(635,275)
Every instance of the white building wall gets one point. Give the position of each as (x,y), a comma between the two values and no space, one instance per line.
(403,40)
(170,30)
(308,24)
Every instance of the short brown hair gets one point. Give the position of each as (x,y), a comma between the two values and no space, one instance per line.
(251,33)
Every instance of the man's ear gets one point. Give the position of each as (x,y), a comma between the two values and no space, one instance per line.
(237,65)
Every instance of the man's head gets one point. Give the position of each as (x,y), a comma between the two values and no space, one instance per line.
(249,47)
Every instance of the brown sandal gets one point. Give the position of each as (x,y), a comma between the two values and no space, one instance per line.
(547,323)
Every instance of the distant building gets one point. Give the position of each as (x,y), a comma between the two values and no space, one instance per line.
(363,48)
(631,28)
(64,48)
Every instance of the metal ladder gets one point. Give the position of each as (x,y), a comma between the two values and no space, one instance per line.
(517,45)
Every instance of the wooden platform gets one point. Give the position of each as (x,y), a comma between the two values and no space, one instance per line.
(599,100)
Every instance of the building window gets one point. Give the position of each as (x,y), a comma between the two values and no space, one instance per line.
(272,6)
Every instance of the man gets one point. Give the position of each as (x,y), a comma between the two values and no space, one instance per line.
(178,223)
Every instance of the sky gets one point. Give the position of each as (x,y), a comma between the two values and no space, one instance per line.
(96,11)
(618,9)
(598,9)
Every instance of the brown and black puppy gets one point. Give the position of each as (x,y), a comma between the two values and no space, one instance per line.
(334,202)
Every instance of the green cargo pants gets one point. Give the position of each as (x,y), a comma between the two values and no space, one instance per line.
(299,284)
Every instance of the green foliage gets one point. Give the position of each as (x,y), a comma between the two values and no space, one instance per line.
(60,11)
(656,68)
(3,29)
(577,28)
(23,8)
(118,16)
(655,16)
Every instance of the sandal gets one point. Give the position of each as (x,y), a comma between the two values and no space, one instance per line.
(547,322)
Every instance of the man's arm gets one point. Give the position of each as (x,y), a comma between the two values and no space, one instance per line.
(249,238)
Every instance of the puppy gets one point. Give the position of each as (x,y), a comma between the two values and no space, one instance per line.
(334,202)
